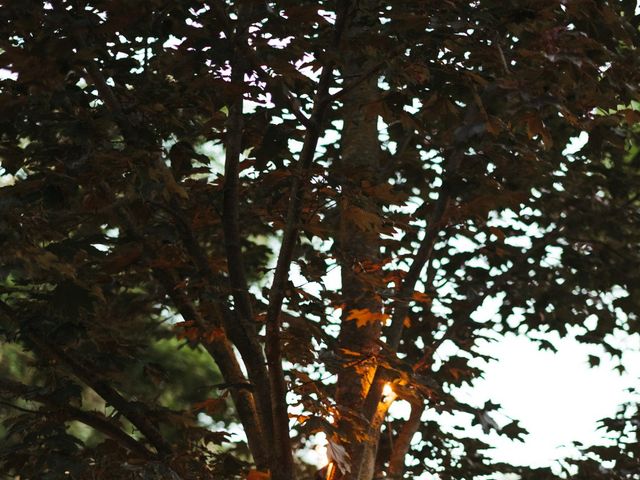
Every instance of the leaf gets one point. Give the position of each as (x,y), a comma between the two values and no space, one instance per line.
(48,261)
(213,335)
(364,220)
(417,73)
(632,117)
(498,233)
(487,422)
(301,419)
(258,475)
(11,158)
(121,258)
(171,186)
(72,298)
(337,454)
(384,192)
(535,127)
(217,438)
(514,430)
(421,297)
(594,360)
(545,345)
(346,351)
(364,316)
(210,405)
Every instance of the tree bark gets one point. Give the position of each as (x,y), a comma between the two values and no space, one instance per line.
(283,457)
(358,249)
(402,442)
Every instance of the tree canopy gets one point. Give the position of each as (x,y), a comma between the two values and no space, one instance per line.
(230,226)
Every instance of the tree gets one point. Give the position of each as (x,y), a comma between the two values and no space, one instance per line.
(182,178)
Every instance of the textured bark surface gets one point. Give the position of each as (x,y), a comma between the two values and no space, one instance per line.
(358,250)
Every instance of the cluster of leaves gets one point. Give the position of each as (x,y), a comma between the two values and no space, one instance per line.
(180,180)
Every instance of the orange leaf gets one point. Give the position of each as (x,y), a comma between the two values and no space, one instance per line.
(210,405)
(214,334)
(258,475)
(364,316)
(300,418)
(421,297)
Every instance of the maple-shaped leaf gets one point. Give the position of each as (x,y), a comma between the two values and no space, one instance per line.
(384,192)
(514,430)
(364,316)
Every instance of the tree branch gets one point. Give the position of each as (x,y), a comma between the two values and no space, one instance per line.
(423,255)
(247,340)
(222,353)
(109,394)
(219,348)
(92,419)
(402,442)
(88,376)
(281,275)
(241,330)
(315,128)
(368,449)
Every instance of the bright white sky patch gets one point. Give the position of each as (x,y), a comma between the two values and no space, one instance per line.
(556,397)
(7,74)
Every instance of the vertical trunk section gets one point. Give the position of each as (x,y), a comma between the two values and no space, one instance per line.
(358,246)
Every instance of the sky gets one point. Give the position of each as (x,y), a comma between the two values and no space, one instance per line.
(557,397)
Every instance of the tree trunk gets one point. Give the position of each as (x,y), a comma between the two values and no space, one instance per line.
(358,248)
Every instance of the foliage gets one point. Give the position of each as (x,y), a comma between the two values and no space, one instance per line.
(261,213)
